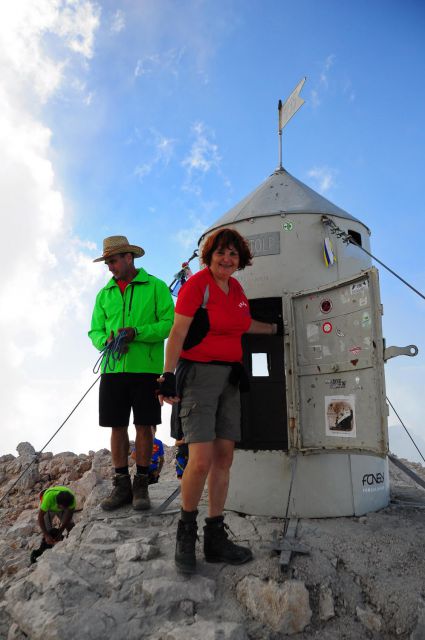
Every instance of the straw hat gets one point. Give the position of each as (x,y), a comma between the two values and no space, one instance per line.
(118,244)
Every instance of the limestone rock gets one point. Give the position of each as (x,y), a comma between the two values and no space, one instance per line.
(165,591)
(369,619)
(25,449)
(419,631)
(15,633)
(202,630)
(283,607)
(326,603)
(131,551)
(102,533)
(8,457)
(84,485)
(106,580)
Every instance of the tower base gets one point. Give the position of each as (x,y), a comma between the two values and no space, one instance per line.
(324,485)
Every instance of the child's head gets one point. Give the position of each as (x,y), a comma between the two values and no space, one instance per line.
(64,499)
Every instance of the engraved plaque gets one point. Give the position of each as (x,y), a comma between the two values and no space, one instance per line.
(264,244)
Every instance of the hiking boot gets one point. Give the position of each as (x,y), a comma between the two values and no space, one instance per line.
(187,534)
(141,499)
(120,495)
(218,547)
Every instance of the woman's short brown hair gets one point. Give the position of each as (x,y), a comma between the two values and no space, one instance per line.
(222,239)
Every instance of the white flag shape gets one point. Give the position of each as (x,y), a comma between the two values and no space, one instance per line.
(291,105)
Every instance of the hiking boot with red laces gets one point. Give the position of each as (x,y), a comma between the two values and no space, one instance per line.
(218,547)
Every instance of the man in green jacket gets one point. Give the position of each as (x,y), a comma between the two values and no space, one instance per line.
(140,305)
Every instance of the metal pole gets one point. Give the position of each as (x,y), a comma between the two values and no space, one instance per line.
(280,150)
(279,108)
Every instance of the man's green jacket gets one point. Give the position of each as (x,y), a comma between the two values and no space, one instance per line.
(147,307)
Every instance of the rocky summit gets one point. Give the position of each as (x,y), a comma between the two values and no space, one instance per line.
(114,576)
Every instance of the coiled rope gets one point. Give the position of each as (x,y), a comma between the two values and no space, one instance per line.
(111,354)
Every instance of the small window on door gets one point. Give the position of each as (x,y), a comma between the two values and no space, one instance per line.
(259,365)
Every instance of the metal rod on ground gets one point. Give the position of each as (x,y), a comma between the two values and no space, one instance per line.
(41,450)
(294,460)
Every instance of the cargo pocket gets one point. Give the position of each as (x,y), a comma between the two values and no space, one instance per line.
(188,420)
(186,411)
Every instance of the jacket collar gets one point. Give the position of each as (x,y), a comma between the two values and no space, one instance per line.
(142,277)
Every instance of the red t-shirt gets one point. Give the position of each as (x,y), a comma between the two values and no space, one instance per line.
(228,315)
(122,285)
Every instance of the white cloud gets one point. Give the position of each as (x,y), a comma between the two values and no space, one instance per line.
(322,83)
(314,99)
(204,153)
(202,157)
(48,285)
(163,150)
(76,23)
(324,73)
(188,237)
(166,61)
(324,178)
(118,21)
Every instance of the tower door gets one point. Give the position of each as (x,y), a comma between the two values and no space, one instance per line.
(338,361)
(264,419)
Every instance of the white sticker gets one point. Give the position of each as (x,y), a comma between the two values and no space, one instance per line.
(316,351)
(358,287)
(312,331)
(340,419)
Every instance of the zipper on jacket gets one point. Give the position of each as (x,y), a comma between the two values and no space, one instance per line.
(131,298)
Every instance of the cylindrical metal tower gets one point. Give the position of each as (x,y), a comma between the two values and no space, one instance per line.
(314,424)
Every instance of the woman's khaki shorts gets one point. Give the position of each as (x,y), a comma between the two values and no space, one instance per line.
(210,405)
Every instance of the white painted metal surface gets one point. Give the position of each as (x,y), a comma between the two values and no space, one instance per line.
(336,418)
(326,485)
(291,105)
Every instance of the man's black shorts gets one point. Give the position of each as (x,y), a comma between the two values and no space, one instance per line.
(121,392)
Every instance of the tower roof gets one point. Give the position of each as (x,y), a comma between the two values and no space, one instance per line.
(280,193)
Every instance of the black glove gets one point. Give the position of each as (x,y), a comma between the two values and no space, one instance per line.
(168,387)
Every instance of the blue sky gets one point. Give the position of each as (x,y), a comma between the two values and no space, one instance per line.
(151,119)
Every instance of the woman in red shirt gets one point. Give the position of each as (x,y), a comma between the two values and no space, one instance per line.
(212,313)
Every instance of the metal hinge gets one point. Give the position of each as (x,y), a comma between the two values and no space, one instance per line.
(392,352)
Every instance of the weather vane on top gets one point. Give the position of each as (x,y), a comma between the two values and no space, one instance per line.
(287,110)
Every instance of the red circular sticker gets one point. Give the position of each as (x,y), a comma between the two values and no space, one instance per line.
(327,327)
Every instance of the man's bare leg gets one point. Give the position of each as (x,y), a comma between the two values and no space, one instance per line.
(119,447)
(144,447)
